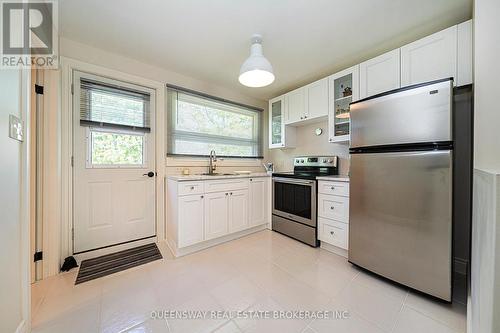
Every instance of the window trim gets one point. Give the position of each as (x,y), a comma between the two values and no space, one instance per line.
(88,139)
(232,104)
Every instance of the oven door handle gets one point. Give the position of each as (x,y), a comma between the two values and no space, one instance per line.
(294,181)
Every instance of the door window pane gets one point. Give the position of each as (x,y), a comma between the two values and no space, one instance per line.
(114,148)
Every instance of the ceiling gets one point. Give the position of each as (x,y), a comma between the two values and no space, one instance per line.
(209,40)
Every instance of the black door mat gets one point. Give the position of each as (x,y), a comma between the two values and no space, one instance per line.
(94,268)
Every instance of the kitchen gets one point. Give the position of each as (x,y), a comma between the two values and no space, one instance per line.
(325,178)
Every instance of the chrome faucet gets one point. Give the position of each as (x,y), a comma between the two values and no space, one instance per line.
(212,166)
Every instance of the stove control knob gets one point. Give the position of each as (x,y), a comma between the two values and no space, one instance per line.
(330,161)
(324,160)
(301,161)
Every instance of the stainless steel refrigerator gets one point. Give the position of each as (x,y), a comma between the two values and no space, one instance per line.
(401,186)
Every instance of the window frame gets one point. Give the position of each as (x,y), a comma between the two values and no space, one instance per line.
(172,114)
(88,145)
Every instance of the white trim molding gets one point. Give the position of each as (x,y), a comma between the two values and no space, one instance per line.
(68,66)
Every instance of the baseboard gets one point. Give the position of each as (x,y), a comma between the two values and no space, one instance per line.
(334,249)
(204,245)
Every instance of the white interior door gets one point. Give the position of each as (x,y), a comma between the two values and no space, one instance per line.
(113,162)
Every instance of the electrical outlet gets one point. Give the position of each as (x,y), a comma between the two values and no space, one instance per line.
(16,131)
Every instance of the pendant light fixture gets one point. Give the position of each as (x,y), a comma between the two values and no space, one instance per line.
(256,71)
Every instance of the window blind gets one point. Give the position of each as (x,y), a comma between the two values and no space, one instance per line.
(198,123)
(106,105)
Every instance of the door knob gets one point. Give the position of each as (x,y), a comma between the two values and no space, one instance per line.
(149,174)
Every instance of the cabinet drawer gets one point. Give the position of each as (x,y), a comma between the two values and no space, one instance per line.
(334,233)
(333,207)
(185,188)
(226,185)
(333,188)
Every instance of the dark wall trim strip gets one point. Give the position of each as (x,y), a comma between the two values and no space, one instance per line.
(207,156)
(116,126)
(385,93)
(193,92)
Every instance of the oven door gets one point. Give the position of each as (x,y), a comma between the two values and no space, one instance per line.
(295,199)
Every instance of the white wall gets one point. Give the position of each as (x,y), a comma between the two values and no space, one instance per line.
(486,84)
(308,143)
(485,259)
(13,223)
(121,63)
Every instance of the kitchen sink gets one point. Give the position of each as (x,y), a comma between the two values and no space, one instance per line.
(217,174)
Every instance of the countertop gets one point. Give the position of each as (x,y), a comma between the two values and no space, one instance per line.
(337,178)
(183,178)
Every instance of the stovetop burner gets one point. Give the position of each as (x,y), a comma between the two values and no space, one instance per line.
(310,167)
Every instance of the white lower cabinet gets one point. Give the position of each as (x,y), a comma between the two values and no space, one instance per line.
(216,214)
(220,208)
(333,214)
(334,233)
(258,200)
(191,212)
(238,210)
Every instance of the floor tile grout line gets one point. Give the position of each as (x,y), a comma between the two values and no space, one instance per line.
(394,325)
(434,319)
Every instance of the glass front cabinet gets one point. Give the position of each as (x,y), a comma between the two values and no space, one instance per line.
(344,89)
(280,136)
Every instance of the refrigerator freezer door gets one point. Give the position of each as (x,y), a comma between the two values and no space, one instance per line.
(417,115)
(401,218)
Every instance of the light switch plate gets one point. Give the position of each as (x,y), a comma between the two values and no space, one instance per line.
(16,131)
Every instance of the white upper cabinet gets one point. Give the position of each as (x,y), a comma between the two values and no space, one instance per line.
(464,56)
(344,89)
(296,104)
(317,99)
(380,74)
(280,136)
(431,58)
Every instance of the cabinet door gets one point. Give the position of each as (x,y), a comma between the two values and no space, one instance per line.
(238,210)
(190,224)
(344,89)
(430,58)
(317,99)
(296,104)
(276,122)
(379,74)
(216,215)
(464,56)
(258,201)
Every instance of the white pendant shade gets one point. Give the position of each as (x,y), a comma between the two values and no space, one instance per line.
(256,71)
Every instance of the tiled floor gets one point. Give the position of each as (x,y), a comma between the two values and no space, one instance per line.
(261,272)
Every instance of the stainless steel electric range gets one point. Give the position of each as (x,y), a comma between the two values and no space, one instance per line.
(295,197)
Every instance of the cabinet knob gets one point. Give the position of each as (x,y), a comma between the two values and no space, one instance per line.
(332,232)
(192,187)
(332,207)
(251,179)
(201,196)
(301,117)
(333,187)
(305,117)
(231,193)
(226,193)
